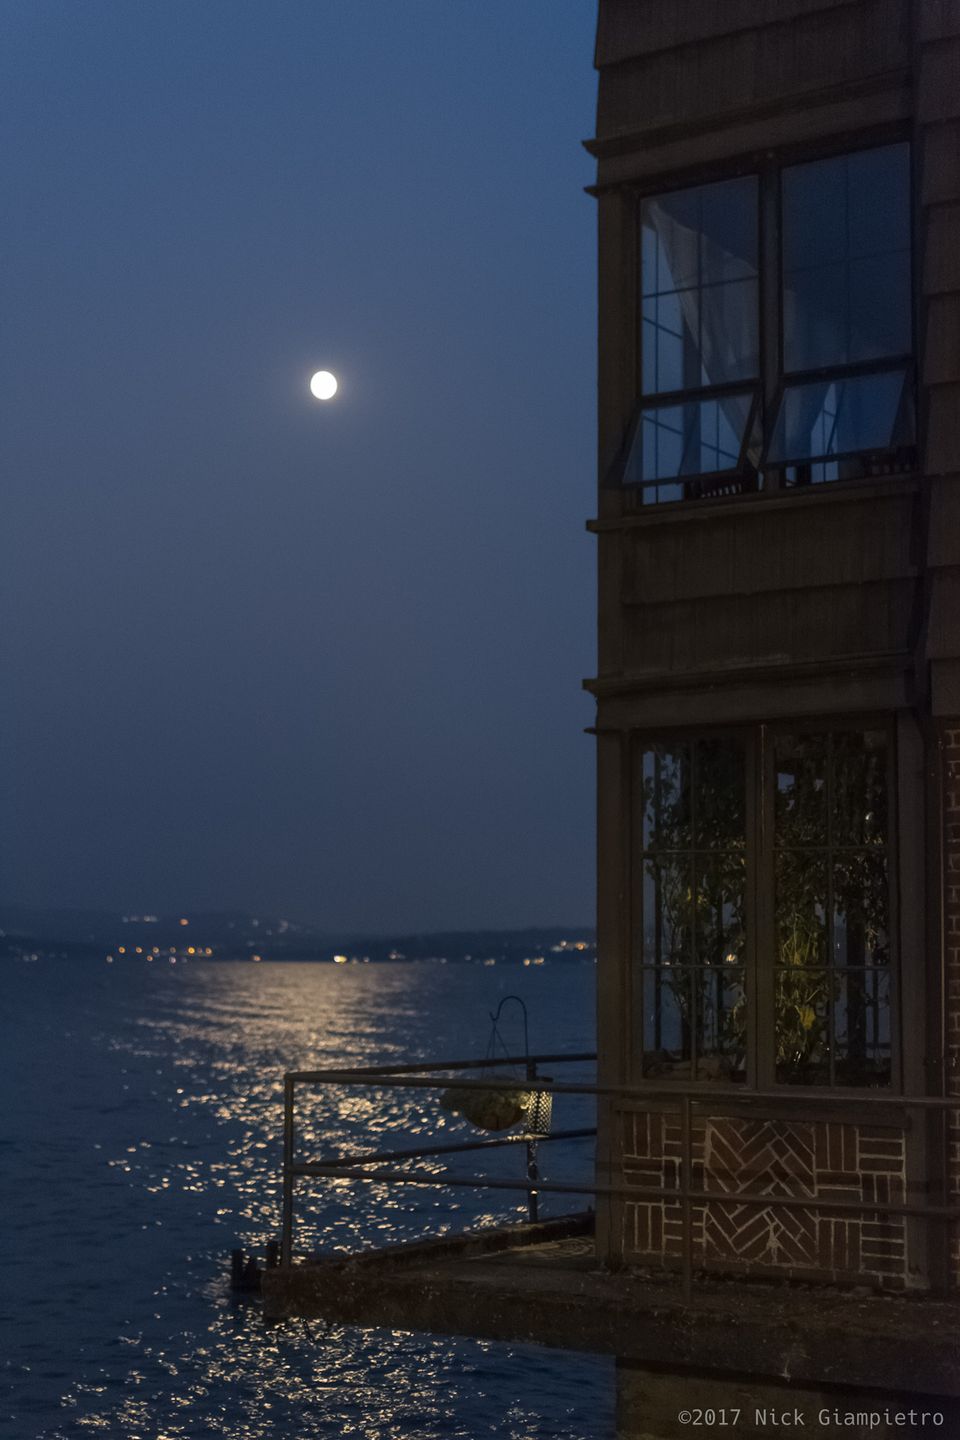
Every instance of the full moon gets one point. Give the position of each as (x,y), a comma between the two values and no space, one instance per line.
(324,385)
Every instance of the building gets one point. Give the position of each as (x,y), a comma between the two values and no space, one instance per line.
(778,694)
(778,722)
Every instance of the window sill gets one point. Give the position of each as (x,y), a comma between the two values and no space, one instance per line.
(690,511)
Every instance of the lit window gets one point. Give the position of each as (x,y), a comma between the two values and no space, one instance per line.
(783,903)
(831,902)
(690,940)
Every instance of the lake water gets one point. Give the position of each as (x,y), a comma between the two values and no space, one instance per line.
(140,1142)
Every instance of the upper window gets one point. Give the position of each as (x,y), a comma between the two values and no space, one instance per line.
(700,335)
(827,393)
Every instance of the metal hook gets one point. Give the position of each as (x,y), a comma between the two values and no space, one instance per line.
(495,1017)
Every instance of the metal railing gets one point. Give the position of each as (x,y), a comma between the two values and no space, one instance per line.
(439,1075)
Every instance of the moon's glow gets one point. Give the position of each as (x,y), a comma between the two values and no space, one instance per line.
(324,385)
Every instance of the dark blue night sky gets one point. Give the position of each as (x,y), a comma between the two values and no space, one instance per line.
(259,652)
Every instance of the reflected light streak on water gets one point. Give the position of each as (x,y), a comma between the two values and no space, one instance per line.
(144,1145)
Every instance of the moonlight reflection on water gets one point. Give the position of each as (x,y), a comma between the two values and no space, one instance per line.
(145,1145)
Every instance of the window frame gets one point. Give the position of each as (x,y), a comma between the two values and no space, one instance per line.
(759,903)
(711,480)
(768,478)
(638,741)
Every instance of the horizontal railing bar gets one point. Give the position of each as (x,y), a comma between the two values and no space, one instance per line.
(487,1063)
(399,1079)
(332,1170)
(378,1156)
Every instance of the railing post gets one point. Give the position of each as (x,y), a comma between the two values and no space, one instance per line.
(686,1184)
(286,1230)
(945,1278)
(533,1169)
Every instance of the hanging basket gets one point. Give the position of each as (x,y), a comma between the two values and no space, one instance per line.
(496,1109)
(487,1109)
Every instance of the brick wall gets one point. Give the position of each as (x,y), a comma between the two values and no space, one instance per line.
(818,1160)
(950,734)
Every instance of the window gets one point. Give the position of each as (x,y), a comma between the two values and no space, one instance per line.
(700,335)
(761,897)
(813,385)
(693,887)
(831,948)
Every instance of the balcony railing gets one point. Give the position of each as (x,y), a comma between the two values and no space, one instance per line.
(657,1096)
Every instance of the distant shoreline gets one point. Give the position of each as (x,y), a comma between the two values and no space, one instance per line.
(83,936)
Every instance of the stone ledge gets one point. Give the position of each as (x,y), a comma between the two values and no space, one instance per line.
(553,1292)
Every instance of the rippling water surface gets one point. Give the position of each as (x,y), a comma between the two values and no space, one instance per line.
(139,1144)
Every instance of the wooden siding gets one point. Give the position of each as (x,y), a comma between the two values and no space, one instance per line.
(756,548)
(937,148)
(779,626)
(627,29)
(950,780)
(758,584)
(725,72)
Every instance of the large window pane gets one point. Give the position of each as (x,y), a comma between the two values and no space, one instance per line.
(877,331)
(666,797)
(721,1009)
(666,338)
(814,216)
(802,1000)
(667,1033)
(692,901)
(699,286)
(815,317)
(720,927)
(801,789)
(832,907)
(668,911)
(729,328)
(801,908)
(859,786)
(862,1027)
(721,819)
(846,259)
(860,908)
(878,206)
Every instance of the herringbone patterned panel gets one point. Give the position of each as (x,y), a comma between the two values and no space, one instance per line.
(773,1159)
(777,1159)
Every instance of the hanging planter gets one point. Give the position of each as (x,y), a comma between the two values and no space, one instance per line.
(487,1109)
(497,1109)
